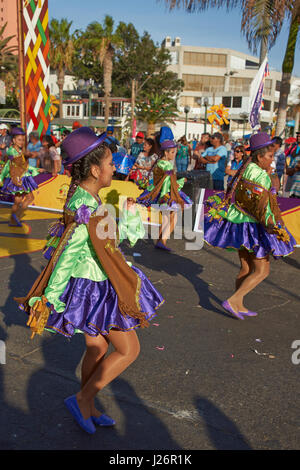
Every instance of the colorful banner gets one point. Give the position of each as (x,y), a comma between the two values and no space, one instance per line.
(256,93)
(36,65)
(290,211)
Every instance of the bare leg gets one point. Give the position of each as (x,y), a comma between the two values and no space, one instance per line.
(127,348)
(16,207)
(96,348)
(246,267)
(261,270)
(27,200)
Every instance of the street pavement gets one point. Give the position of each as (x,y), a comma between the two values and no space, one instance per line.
(203,380)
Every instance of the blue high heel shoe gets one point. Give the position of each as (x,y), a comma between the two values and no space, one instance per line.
(103,420)
(18,222)
(86,424)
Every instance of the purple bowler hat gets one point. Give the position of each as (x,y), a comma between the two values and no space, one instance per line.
(79,143)
(17,131)
(168,144)
(259,141)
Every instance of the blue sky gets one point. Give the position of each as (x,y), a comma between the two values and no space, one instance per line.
(213,28)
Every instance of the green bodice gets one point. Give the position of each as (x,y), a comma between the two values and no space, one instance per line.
(79,259)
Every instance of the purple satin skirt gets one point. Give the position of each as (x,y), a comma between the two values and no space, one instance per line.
(92,307)
(28,185)
(249,235)
(173,206)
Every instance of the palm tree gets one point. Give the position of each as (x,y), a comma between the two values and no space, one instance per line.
(157,108)
(261,19)
(261,24)
(287,68)
(61,53)
(102,41)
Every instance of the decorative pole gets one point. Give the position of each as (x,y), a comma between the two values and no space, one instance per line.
(21,64)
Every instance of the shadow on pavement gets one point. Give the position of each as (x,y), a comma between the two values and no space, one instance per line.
(222,432)
(20,282)
(142,428)
(174,264)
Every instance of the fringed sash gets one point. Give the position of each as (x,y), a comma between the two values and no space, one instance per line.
(123,278)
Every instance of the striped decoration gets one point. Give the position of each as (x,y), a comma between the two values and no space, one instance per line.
(36,65)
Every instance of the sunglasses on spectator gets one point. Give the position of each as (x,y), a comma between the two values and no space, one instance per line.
(239,151)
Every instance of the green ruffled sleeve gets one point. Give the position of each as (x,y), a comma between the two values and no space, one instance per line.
(5,172)
(64,268)
(131,226)
(32,171)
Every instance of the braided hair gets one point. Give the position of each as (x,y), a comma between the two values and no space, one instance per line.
(253,158)
(80,170)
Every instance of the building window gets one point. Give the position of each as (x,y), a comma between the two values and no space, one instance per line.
(226,101)
(268,87)
(237,102)
(68,110)
(239,84)
(204,60)
(267,105)
(278,84)
(205,83)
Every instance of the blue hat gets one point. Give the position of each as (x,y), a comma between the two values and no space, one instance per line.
(110,129)
(165,134)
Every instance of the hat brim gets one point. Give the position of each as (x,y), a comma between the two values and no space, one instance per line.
(265,144)
(70,161)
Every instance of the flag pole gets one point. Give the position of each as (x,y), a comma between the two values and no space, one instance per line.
(21,64)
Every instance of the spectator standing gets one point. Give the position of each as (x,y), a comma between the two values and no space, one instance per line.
(201,147)
(183,155)
(146,160)
(234,165)
(5,141)
(279,156)
(33,149)
(138,146)
(293,171)
(291,155)
(215,159)
(49,157)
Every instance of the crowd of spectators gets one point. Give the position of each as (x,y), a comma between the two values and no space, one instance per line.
(222,158)
(214,153)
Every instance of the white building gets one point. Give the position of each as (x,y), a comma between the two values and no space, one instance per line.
(221,76)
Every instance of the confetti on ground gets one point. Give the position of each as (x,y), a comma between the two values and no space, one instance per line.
(170,316)
(155,324)
(137,254)
(186,372)
(258,340)
(270,355)
(179,302)
(232,355)
(160,348)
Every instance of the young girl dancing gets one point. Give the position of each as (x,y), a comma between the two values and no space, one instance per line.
(17,177)
(252,224)
(165,192)
(87,285)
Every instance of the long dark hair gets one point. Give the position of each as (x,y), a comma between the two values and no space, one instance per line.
(80,170)
(47,138)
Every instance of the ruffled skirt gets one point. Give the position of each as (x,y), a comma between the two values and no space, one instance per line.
(173,206)
(92,307)
(28,185)
(248,235)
